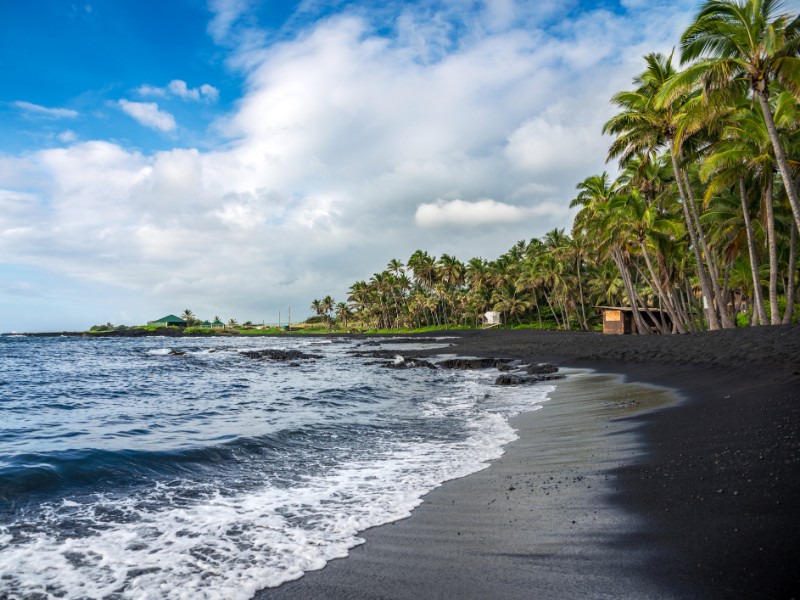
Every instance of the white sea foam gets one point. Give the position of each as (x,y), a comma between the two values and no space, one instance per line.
(159,351)
(229,546)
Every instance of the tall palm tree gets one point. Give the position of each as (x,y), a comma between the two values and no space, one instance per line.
(343,313)
(747,40)
(743,151)
(327,304)
(645,125)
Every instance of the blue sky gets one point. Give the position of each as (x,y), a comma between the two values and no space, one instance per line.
(237,157)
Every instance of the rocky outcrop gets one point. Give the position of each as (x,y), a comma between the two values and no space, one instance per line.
(509,379)
(541,369)
(503,364)
(282,355)
(405,363)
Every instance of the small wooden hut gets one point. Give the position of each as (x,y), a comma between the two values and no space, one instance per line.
(618,320)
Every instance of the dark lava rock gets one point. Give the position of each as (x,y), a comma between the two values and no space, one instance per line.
(410,363)
(407,363)
(541,369)
(502,364)
(278,354)
(176,352)
(507,379)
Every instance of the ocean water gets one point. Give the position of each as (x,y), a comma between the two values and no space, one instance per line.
(129,471)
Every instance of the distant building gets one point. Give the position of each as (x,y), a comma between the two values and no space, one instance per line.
(492,318)
(217,325)
(168,321)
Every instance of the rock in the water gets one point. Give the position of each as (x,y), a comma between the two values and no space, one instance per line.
(541,369)
(475,363)
(282,355)
(406,363)
(507,379)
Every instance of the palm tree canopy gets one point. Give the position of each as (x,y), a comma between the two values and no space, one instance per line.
(744,38)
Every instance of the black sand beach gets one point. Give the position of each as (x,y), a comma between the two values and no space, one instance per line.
(613,490)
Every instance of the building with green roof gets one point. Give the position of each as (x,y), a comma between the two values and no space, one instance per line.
(168,321)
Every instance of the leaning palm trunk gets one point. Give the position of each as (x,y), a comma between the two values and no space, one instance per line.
(758,298)
(658,322)
(780,156)
(711,313)
(697,318)
(638,321)
(787,315)
(552,310)
(721,301)
(681,309)
(772,245)
(585,325)
(664,299)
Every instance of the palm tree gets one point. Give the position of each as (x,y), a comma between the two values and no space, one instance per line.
(510,301)
(395,267)
(744,150)
(327,304)
(645,125)
(187,315)
(342,313)
(747,40)
(316,306)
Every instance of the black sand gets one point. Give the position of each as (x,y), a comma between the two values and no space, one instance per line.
(700,499)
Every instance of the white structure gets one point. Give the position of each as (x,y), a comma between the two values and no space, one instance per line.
(492,318)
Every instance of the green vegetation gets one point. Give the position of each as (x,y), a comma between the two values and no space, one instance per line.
(702,222)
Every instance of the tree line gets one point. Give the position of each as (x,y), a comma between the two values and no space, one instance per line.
(699,229)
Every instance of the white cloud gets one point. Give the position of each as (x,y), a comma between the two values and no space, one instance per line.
(206,92)
(67,136)
(147,90)
(469,214)
(42,111)
(149,115)
(226,13)
(178,88)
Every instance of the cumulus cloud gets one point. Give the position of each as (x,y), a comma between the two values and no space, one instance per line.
(149,115)
(36,110)
(469,214)
(179,88)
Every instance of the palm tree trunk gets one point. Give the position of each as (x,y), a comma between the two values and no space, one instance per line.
(721,303)
(679,303)
(758,298)
(663,298)
(787,314)
(546,297)
(690,297)
(780,155)
(585,325)
(772,245)
(641,327)
(538,311)
(711,314)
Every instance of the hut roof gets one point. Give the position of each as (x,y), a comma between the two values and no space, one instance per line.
(169,319)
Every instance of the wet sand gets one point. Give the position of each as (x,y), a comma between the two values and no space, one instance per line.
(613,490)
